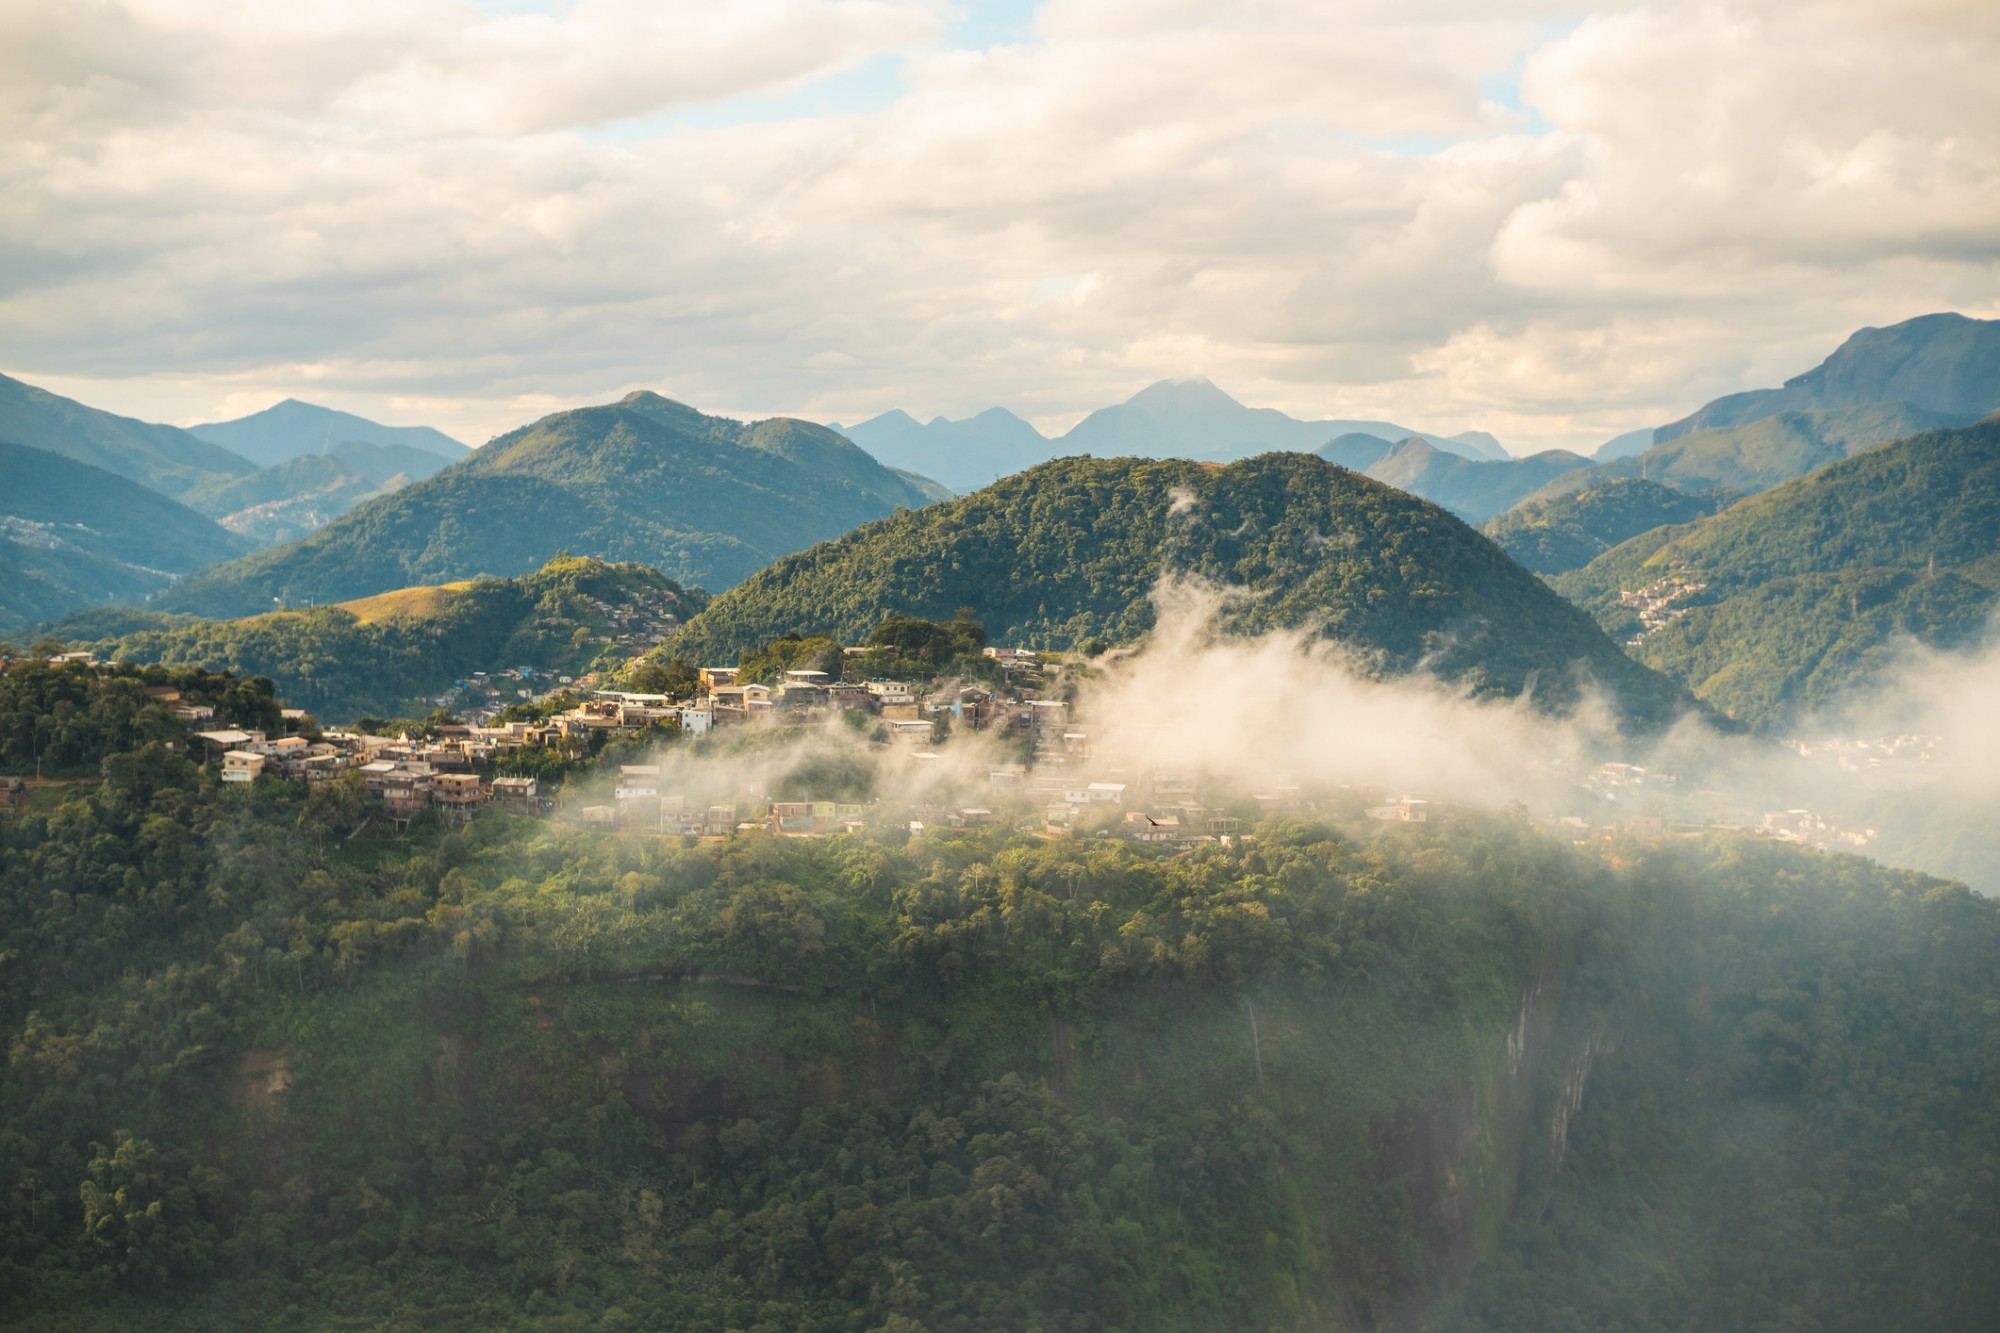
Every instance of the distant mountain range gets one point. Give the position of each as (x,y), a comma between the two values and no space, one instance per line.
(1189,418)
(1879,385)
(1568,530)
(292,429)
(705,499)
(1944,364)
(1761,453)
(290,499)
(162,458)
(202,463)
(1473,489)
(317,463)
(962,455)
(1069,551)
(73,535)
(1793,598)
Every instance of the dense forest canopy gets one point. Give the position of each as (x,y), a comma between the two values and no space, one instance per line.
(260,1070)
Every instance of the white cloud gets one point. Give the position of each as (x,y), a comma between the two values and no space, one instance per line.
(1331,209)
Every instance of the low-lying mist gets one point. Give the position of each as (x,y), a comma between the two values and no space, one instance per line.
(1904,775)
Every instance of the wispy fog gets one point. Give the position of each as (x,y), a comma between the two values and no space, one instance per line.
(1905,775)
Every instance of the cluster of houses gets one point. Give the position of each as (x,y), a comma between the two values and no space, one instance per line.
(909,713)
(484,695)
(446,770)
(407,776)
(1064,788)
(1659,604)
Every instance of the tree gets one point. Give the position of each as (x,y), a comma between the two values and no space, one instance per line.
(142,1221)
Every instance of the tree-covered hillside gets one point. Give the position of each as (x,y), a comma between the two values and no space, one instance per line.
(384,654)
(1568,531)
(1070,552)
(73,535)
(1807,588)
(263,1071)
(1762,453)
(705,499)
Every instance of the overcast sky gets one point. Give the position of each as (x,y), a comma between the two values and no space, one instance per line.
(1549,222)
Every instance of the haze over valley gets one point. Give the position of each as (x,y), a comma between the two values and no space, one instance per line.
(856,665)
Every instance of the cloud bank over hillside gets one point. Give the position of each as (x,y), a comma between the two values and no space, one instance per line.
(1545,220)
(1903,777)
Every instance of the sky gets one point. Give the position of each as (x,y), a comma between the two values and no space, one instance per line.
(1551,222)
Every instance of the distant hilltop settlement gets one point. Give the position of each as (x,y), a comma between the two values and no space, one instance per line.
(560,765)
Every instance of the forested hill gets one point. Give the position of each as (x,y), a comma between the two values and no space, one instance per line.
(1568,531)
(385,654)
(74,535)
(1807,587)
(1069,552)
(270,1066)
(704,499)
(1760,454)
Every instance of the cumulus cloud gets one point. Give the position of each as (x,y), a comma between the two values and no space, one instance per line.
(1528,217)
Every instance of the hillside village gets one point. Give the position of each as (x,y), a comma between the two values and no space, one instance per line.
(1659,604)
(1051,780)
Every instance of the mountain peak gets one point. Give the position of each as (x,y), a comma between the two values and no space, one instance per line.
(895,416)
(1942,362)
(999,416)
(646,398)
(1181,395)
(292,427)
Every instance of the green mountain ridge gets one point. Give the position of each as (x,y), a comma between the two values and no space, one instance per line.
(1943,363)
(72,535)
(705,499)
(1808,586)
(1567,531)
(162,458)
(384,655)
(1775,448)
(1070,552)
(1928,373)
